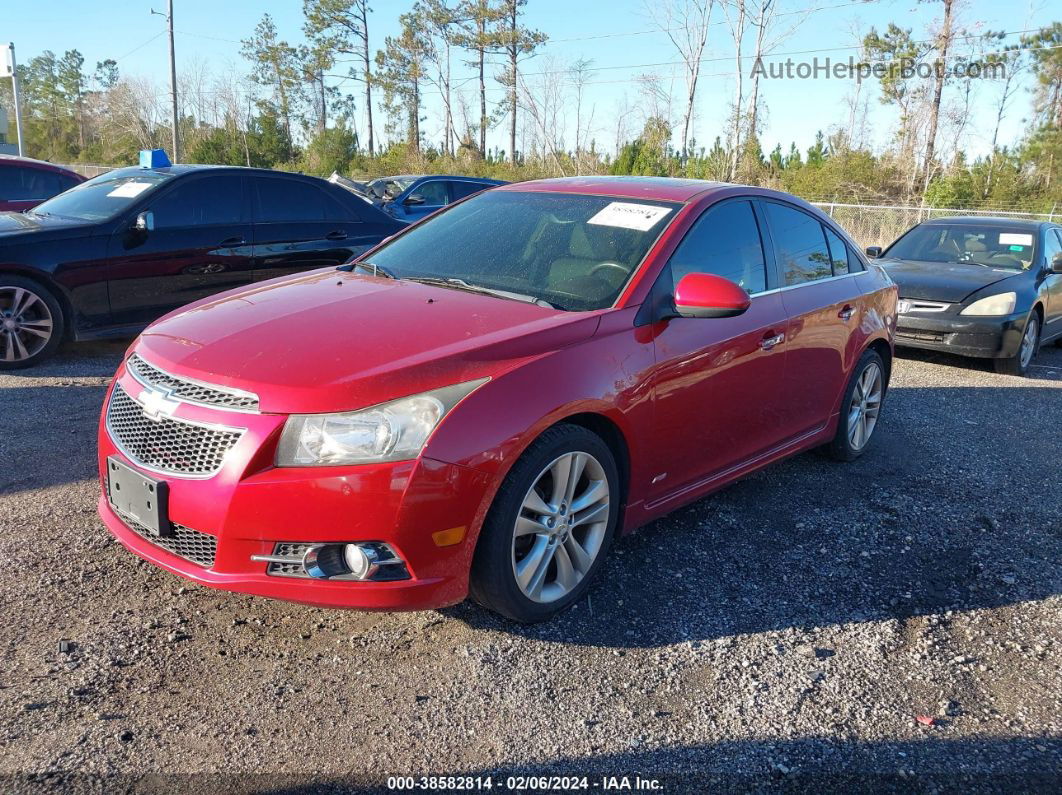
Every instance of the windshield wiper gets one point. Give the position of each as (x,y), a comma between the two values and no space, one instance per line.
(371,267)
(461,284)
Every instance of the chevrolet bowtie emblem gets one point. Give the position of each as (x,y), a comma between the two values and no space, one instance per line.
(157,404)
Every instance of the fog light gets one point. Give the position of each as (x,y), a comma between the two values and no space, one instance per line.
(362,562)
(322,561)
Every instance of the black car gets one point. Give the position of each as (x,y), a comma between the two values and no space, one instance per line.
(986,287)
(111,255)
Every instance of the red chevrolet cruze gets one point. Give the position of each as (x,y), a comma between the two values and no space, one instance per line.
(481,403)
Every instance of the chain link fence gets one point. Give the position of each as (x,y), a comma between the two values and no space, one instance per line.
(879,224)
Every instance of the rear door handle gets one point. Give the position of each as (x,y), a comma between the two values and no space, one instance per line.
(769,342)
(232,241)
(846,313)
(336,235)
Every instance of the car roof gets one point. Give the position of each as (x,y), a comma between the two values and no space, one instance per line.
(658,188)
(189,168)
(983,220)
(415,177)
(17,160)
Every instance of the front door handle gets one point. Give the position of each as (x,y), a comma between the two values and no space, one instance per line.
(232,241)
(339,234)
(846,313)
(769,342)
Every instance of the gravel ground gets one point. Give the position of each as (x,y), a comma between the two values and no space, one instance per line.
(787,631)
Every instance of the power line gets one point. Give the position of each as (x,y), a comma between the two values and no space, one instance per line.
(139,47)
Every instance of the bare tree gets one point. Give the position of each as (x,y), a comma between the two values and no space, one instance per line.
(943,43)
(737,20)
(686,23)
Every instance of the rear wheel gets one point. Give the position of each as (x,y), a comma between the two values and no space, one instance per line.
(860,408)
(1018,364)
(549,528)
(31,322)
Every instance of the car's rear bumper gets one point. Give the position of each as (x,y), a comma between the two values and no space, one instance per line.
(986,337)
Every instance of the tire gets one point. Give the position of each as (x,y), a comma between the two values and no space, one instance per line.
(31,322)
(1018,364)
(554,574)
(868,375)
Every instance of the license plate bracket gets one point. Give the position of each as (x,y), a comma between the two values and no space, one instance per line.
(141,498)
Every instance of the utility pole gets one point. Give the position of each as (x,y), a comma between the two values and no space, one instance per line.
(173,84)
(11,66)
(173,79)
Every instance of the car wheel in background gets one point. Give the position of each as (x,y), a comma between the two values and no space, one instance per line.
(860,408)
(1018,364)
(31,322)
(549,528)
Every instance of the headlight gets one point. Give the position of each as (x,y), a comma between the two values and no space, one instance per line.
(394,431)
(1002,304)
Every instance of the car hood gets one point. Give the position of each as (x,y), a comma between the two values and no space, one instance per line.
(337,341)
(949,282)
(30,224)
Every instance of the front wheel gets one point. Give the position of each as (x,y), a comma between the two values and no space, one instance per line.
(549,528)
(31,322)
(860,408)
(1018,364)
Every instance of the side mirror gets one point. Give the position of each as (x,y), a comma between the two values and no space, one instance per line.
(873,251)
(413,198)
(1056,263)
(708,295)
(145,222)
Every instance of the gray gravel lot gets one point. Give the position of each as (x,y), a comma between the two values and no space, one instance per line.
(788,630)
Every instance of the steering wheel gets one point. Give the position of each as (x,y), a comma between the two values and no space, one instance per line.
(604,265)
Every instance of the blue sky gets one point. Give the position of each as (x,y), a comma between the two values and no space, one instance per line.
(616,35)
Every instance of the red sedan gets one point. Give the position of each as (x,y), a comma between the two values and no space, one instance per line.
(25,182)
(480,404)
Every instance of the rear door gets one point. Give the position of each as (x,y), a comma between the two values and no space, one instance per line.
(299,226)
(824,304)
(719,384)
(200,245)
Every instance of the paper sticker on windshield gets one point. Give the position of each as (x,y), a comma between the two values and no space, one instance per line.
(627,215)
(1014,239)
(129,190)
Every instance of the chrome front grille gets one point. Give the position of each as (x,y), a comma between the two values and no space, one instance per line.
(167,445)
(191,391)
(199,548)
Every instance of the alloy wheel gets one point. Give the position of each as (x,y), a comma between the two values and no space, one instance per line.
(865,406)
(26,324)
(560,527)
(1028,342)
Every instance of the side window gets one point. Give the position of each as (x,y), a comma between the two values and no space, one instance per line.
(800,244)
(724,241)
(434,193)
(838,252)
(855,265)
(458,190)
(24,184)
(1052,245)
(289,200)
(66,183)
(200,202)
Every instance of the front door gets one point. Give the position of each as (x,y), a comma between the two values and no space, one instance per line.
(200,245)
(718,383)
(1053,311)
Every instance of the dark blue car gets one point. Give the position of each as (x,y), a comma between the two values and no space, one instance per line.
(410,197)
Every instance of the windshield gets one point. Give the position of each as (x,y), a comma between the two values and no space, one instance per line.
(102,197)
(574,252)
(993,246)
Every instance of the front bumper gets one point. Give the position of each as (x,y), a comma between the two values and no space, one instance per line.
(250,505)
(986,337)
